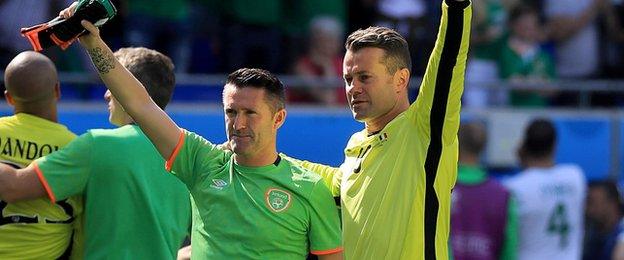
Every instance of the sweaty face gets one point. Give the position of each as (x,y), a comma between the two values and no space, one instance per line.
(249,121)
(116,115)
(368,84)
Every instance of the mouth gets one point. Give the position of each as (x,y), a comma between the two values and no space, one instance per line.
(232,137)
(357,102)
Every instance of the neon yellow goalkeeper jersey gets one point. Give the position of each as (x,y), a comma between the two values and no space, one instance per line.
(395,185)
(36,229)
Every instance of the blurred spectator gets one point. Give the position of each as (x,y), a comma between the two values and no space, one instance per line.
(613,43)
(572,25)
(604,216)
(408,17)
(488,32)
(322,60)
(296,24)
(550,198)
(161,25)
(523,60)
(251,36)
(480,231)
(18,14)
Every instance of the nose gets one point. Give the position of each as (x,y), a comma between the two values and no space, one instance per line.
(240,122)
(353,88)
(107,95)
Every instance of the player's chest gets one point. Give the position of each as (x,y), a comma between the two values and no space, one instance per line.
(252,201)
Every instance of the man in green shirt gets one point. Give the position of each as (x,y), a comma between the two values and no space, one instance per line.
(120,175)
(249,203)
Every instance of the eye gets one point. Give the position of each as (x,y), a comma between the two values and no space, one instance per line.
(348,80)
(230,112)
(251,112)
(364,78)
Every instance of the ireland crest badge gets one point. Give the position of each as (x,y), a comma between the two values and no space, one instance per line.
(277,200)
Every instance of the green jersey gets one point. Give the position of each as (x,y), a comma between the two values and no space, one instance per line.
(395,185)
(134,209)
(277,211)
(35,229)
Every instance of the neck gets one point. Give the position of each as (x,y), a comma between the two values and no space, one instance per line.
(376,124)
(48,113)
(539,162)
(468,159)
(257,160)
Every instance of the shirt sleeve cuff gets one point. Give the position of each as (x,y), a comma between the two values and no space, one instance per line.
(44,182)
(327,252)
(175,152)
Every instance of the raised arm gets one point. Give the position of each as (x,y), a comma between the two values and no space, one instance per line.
(439,99)
(154,122)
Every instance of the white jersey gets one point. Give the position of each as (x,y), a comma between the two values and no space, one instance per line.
(550,212)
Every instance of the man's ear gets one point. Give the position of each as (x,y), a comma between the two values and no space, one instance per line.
(279,118)
(57,90)
(401,80)
(9,98)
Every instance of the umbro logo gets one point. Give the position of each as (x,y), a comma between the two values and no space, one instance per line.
(218,184)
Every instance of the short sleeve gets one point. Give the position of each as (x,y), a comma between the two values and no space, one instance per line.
(64,173)
(196,156)
(324,235)
(331,176)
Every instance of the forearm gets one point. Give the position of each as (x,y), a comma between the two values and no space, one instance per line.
(562,28)
(17,185)
(7,173)
(126,89)
(131,94)
(439,100)
(334,256)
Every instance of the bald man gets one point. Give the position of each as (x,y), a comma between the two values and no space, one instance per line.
(36,229)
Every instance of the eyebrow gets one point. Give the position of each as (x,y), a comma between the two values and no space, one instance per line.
(356,73)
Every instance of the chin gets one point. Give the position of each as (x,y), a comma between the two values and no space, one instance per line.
(359,117)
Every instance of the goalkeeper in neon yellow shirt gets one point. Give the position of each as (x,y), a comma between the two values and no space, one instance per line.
(396,180)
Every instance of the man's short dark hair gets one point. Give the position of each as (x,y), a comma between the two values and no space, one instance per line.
(539,139)
(520,11)
(397,54)
(262,79)
(153,69)
(472,137)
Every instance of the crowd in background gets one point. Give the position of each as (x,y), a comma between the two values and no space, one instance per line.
(518,41)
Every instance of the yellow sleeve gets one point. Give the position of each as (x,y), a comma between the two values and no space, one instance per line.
(439,99)
(331,175)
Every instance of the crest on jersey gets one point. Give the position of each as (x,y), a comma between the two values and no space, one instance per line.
(277,200)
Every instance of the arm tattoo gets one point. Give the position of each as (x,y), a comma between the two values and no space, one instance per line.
(102,61)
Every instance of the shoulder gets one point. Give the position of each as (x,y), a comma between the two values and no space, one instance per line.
(299,174)
(6,118)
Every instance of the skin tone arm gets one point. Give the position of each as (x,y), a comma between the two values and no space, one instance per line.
(128,91)
(154,122)
(335,256)
(17,185)
(561,28)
